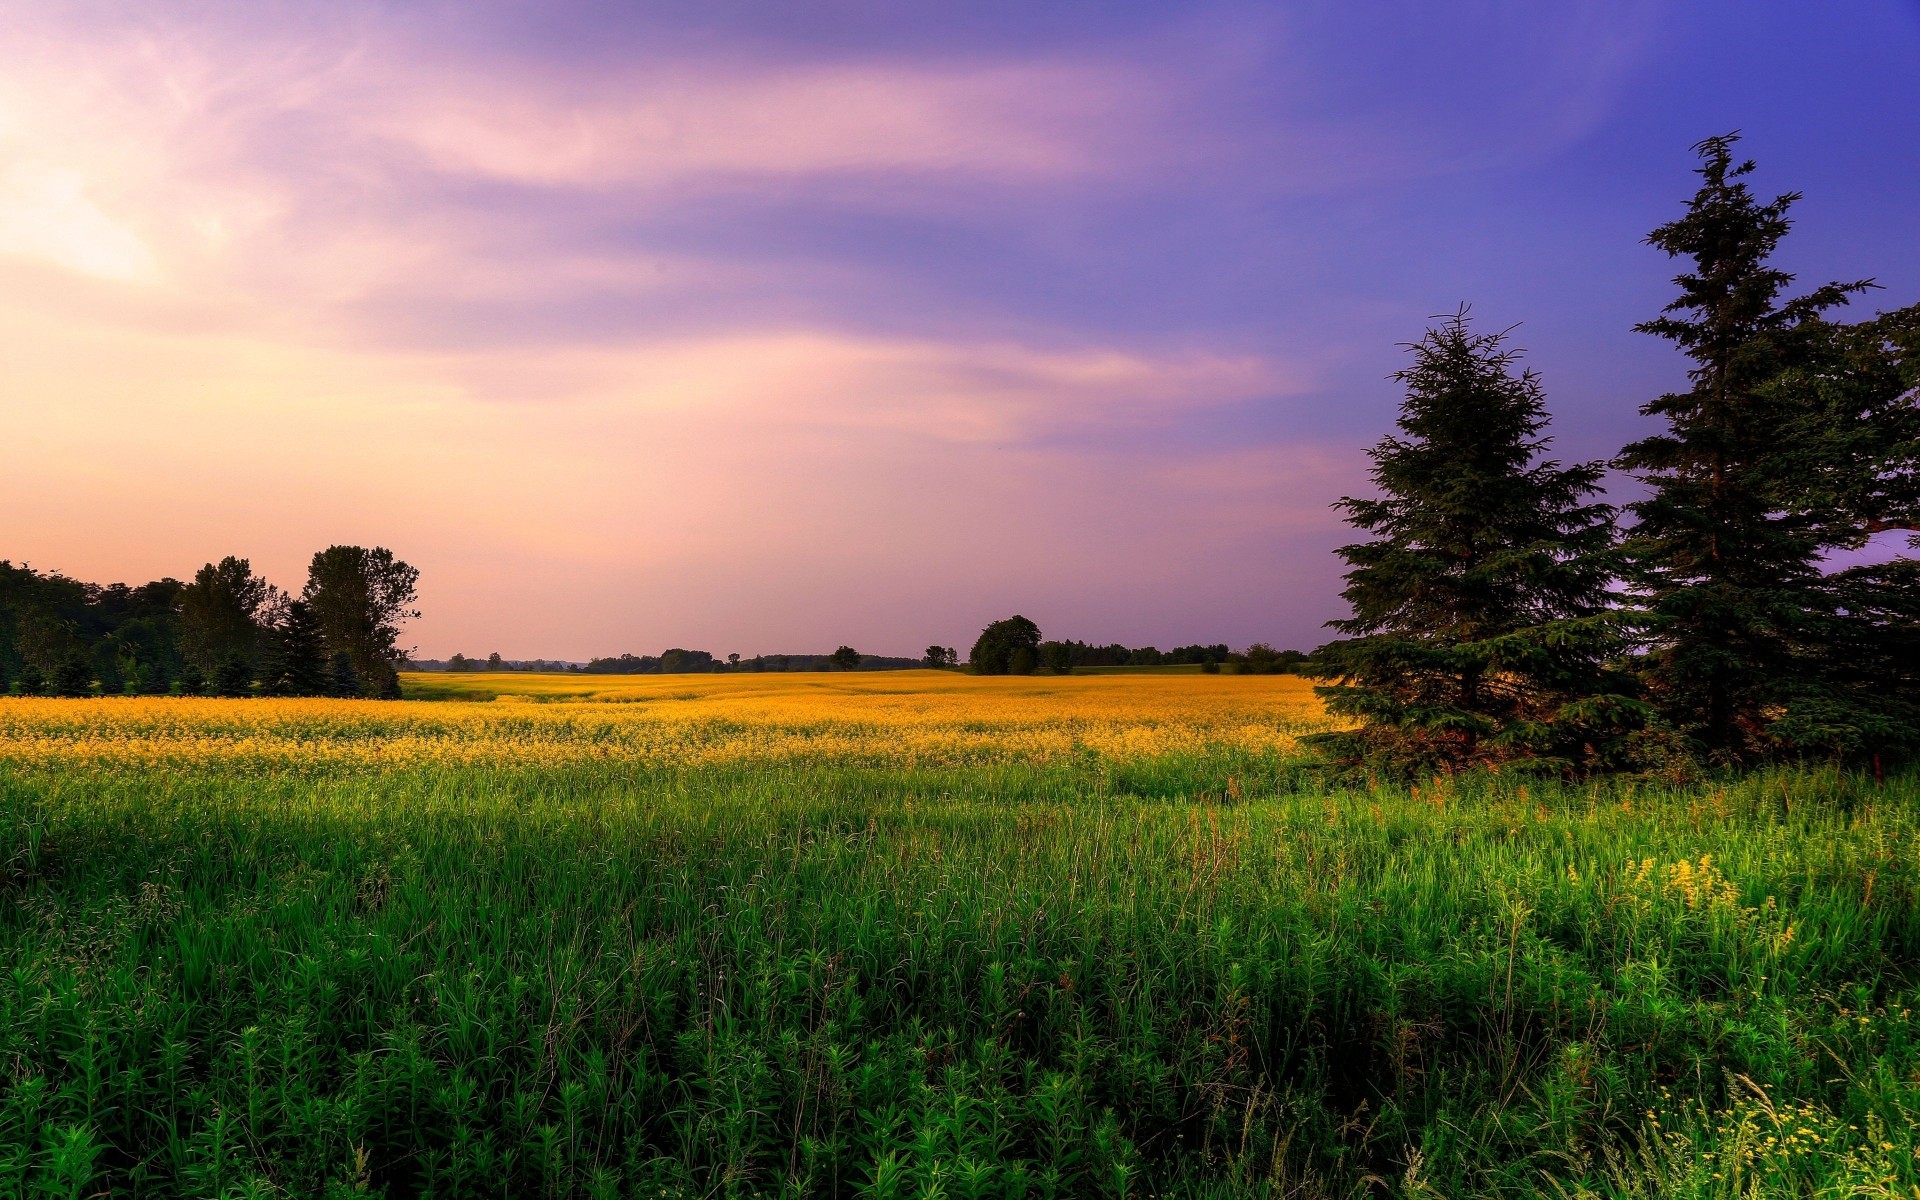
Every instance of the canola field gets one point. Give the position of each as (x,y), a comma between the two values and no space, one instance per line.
(923,935)
(895,720)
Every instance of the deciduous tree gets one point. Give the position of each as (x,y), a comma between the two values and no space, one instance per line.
(994,651)
(361,596)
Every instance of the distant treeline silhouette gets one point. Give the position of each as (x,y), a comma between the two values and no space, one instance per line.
(677,661)
(228,632)
(1059,657)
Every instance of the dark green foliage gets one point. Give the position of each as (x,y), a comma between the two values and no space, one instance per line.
(994,651)
(155,679)
(73,677)
(220,614)
(345,681)
(939,657)
(675,661)
(233,677)
(193,681)
(123,635)
(1797,437)
(1481,630)
(32,681)
(1262,659)
(1022,661)
(1056,657)
(1197,655)
(296,659)
(361,596)
(846,658)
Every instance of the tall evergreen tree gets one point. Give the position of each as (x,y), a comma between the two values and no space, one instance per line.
(1481,624)
(296,661)
(234,677)
(1848,462)
(1724,554)
(345,681)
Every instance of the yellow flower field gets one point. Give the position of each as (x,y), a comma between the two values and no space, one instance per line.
(890,719)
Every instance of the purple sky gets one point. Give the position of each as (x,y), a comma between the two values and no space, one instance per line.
(767,327)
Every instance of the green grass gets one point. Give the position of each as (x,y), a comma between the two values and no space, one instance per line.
(1081,979)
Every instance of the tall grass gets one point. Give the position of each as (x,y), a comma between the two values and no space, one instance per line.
(1194,973)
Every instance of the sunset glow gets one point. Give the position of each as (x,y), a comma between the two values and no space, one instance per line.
(874,323)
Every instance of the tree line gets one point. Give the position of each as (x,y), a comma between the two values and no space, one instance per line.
(227,632)
(1505,613)
(677,661)
(1013,646)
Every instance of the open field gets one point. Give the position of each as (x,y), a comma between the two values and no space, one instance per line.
(917,934)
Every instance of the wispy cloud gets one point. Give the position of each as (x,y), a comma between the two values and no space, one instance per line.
(1087,302)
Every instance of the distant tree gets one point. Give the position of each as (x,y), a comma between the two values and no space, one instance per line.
(104,662)
(1057,657)
(155,679)
(626,664)
(193,681)
(1210,667)
(733,662)
(234,677)
(993,652)
(32,681)
(1262,659)
(220,614)
(676,661)
(846,658)
(296,659)
(1481,627)
(1187,656)
(460,662)
(361,596)
(1145,656)
(73,677)
(344,681)
(939,657)
(1023,661)
(496,663)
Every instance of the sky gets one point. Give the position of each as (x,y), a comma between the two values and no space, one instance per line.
(773,326)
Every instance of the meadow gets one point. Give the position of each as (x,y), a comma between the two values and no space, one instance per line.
(919,934)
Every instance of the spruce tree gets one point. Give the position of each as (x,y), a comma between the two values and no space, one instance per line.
(234,677)
(73,677)
(345,681)
(1848,461)
(1481,624)
(297,656)
(1724,566)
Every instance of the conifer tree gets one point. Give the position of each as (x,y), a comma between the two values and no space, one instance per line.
(345,680)
(234,677)
(1481,624)
(296,654)
(1724,563)
(1848,461)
